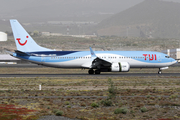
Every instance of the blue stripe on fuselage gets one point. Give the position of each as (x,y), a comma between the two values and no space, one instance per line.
(57,53)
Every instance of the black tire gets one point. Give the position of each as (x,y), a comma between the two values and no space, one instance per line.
(159,72)
(97,72)
(91,72)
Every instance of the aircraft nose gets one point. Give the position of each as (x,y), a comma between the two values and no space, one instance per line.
(174,61)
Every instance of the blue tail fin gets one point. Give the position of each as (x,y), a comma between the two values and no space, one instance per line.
(23,40)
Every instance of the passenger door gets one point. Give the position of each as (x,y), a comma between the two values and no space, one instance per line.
(159,58)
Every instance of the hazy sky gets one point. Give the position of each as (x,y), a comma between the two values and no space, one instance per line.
(61,7)
(46,10)
(43,11)
(8,6)
(111,5)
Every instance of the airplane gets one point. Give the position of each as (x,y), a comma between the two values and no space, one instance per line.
(95,61)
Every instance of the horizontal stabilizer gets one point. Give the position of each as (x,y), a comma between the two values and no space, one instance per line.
(21,53)
(8,51)
(96,61)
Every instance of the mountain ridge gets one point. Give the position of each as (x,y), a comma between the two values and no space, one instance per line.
(152,18)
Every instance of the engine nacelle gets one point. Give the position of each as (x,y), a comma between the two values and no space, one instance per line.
(120,67)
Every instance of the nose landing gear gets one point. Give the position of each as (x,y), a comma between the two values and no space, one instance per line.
(159,72)
(163,68)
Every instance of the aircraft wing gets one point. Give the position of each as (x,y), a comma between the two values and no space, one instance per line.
(98,62)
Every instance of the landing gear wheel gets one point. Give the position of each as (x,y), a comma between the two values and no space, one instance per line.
(91,71)
(97,72)
(159,72)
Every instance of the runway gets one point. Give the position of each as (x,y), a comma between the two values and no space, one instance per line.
(87,75)
(78,74)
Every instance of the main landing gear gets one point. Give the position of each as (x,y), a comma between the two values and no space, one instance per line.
(91,71)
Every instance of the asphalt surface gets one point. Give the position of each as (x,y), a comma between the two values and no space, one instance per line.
(80,74)
(87,75)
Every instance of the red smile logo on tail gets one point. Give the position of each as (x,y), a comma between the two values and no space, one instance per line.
(22,44)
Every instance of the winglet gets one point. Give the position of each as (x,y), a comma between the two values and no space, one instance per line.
(93,55)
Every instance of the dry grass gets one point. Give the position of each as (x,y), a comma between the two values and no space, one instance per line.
(74,96)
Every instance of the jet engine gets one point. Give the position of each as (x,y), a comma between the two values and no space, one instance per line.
(120,67)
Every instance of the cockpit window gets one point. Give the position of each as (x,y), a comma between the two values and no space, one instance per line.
(167,56)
